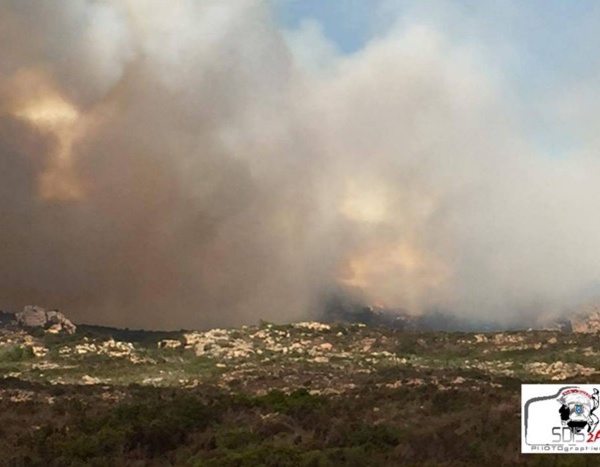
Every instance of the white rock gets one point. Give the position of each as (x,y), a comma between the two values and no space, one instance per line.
(86,379)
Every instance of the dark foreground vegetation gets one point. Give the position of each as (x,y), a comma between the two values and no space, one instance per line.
(204,427)
(301,395)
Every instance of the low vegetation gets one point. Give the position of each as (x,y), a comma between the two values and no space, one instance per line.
(300,395)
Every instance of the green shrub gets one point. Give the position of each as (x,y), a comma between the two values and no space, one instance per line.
(298,403)
(16,353)
(373,437)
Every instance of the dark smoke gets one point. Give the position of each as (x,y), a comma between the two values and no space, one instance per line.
(198,202)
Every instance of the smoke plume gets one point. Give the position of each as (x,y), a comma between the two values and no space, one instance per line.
(188,164)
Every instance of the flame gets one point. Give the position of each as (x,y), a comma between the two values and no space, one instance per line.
(390,265)
(397,274)
(53,114)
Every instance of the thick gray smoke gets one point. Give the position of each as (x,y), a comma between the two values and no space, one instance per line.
(185,164)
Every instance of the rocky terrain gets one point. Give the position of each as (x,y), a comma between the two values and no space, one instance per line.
(299,394)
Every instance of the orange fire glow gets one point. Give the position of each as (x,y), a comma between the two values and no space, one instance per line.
(397,274)
(53,114)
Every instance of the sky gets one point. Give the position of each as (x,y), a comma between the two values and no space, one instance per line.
(533,47)
(547,40)
(192,164)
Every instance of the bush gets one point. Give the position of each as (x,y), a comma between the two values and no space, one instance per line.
(373,437)
(16,353)
(297,404)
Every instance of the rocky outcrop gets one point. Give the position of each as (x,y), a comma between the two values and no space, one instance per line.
(587,320)
(51,320)
(558,371)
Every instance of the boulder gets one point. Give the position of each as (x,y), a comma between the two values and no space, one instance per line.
(38,317)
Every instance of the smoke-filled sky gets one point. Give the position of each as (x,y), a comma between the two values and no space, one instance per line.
(211,163)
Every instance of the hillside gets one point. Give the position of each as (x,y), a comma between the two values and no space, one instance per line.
(298,394)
